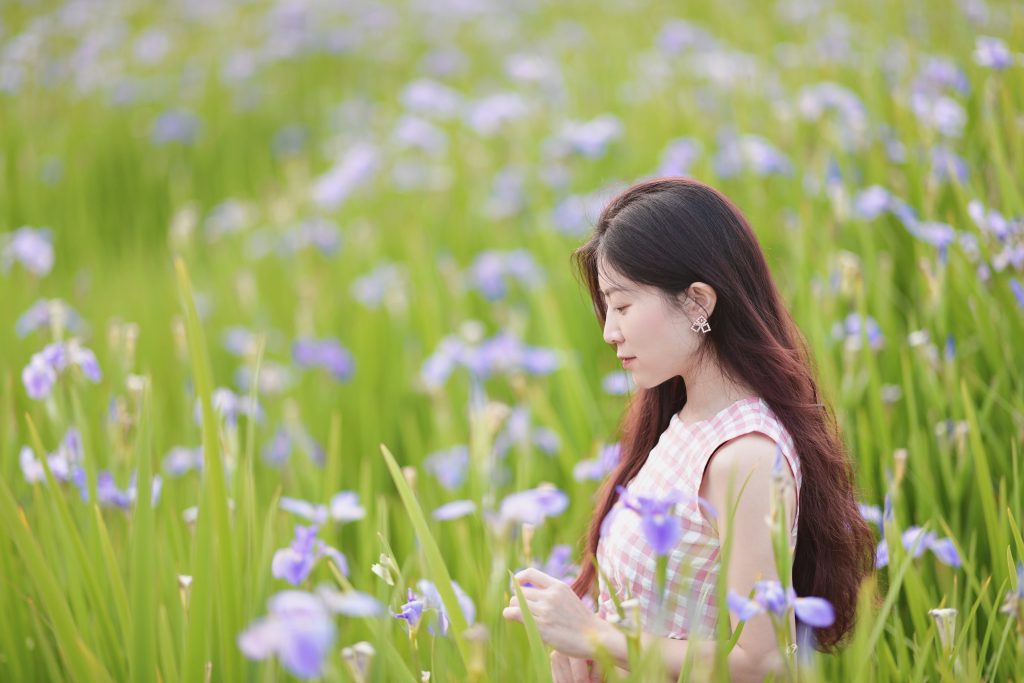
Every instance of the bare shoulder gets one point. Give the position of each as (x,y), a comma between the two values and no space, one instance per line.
(744,463)
(752,452)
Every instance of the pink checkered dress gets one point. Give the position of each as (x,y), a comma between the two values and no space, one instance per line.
(678,461)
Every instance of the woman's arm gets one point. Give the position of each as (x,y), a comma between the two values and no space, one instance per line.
(568,626)
(751,559)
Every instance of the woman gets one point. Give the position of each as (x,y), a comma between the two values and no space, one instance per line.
(726,395)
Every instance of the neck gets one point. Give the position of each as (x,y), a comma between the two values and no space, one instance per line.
(709,391)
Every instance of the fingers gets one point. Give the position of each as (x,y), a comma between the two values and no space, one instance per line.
(561,672)
(512,614)
(536,577)
(580,670)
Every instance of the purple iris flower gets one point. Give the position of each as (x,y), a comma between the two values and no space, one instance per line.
(432,98)
(109,494)
(992,53)
(1018,291)
(598,468)
(588,139)
(296,562)
(503,353)
(38,377)
(40,314)
(328,354)
(31,247)
(947,165)
(559,564)
(449,466)
(532,506)
(454,510)
(175,125)
(355,169)
(412,610)
(380,284)
(770,597)
(320,233)
(871,202)
(490,114)
(430,598)
(518,431)
(617,383)
(660,526)
(492,270)
(351,603)
(849,331)
(229,405)
(65,464)
(753,153)
(299,630)
(679,156)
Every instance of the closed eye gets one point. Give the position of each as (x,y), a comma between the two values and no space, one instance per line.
(620,309)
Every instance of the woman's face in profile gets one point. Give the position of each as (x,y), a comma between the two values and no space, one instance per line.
(650,335)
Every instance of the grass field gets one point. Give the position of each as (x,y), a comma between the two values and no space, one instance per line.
(306,264)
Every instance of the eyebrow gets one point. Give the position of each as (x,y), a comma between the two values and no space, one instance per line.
(612,290)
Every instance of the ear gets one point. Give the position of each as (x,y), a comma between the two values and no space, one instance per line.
(700,299)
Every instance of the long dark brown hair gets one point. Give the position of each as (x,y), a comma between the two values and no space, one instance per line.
(669,233)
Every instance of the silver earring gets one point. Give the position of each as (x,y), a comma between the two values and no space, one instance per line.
(701,325)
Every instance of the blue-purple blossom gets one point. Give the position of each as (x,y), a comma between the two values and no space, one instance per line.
(531,506)
(40,375)
(947,165)
(849,332)
(992,53)
(492,270)
(431,599)
(588,139)
(43,312)
(412,611)
(991,221)
(914,539)
(417,133)
(343,507)
(299,630)
(294,563)
(661,527)
(489,115)
(454,510)
(229,405)
(939,112)
(351,603)
(180,460)
(352,171)
(31,247)
(507,197)
(175,125)
(749,153)
(449,466)
(387,281)
(431,98)
(769,597)
(279,448)
(503,353)
(617,383)
(328,354)
(321,234)
(598,468)
(1018,291)
(65,463)
(518,431)
(679,156)
(871,202)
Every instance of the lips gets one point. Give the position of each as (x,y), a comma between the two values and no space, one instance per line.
(626,360)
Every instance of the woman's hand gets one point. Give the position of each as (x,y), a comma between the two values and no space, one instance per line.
(566,669)
(564,622)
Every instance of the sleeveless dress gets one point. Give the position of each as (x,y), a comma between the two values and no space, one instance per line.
(626,558)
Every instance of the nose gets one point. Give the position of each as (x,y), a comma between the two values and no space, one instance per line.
(612,333)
